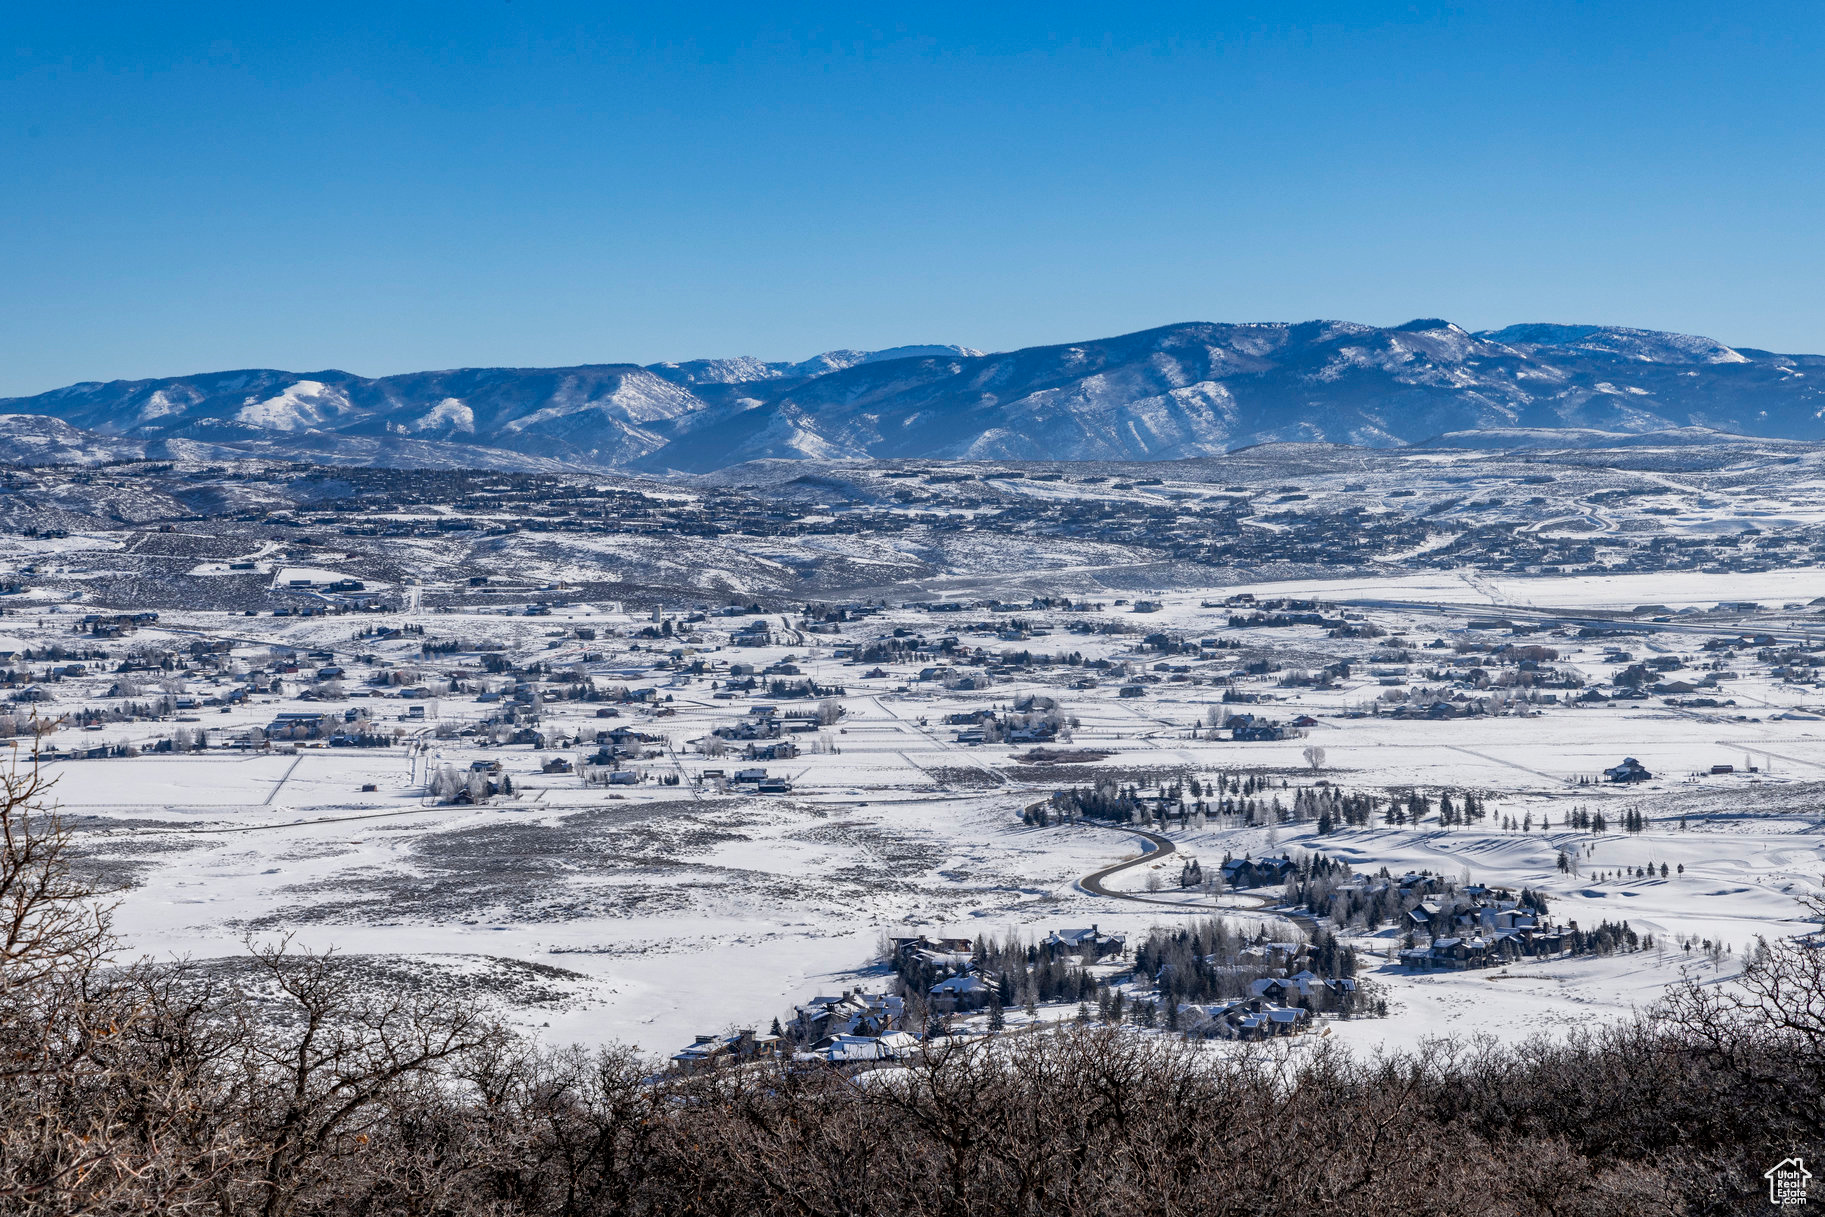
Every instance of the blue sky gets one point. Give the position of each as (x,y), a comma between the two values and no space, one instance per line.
(388,187)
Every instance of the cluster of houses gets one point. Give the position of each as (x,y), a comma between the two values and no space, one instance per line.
(1283,1002)
(753,779)
(854,1012)
(857,1028)
(757,633)
(1461,707)
(116,625)
(1487,927)
(618,745)
(315,583)
(1256,872)
(971,987)
(1251,728)
(765,732)
(852,1028)
(986,726)
(1247,1018)
(965,984)
(934,952)
(382,504)
(720,1051)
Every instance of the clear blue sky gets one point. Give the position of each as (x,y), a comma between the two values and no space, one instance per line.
(386,187)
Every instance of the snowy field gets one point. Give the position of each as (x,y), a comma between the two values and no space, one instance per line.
(679,909)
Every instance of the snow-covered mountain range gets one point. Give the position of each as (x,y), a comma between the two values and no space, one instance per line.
(1194,389)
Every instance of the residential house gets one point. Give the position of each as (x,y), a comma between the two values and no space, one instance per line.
(1256,872)
(1631,770)
(1091,942)
(965,992)
(720,1051)
(853,1013)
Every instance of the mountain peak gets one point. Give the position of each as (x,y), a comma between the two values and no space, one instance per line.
(1191,389)
(1646,346)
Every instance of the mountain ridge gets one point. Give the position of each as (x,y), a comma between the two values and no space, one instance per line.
(1182,390)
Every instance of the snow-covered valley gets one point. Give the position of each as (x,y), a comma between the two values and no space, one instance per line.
(640,783)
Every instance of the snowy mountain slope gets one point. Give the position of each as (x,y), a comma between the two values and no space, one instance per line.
(1201,389)
(744,369)
(35,439)
(1189,390)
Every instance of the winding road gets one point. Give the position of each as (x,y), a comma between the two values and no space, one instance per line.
(1158,847)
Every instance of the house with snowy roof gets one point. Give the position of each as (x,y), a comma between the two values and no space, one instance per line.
(1631,770)
(853,1013)
(1092,942)
(965,992)
(863,1050)
(720,1051)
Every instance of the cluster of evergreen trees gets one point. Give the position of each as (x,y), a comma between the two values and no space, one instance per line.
(1415,807)
(1214,960)
(1329,890)
(1018,974)
(1256,798)
(1244,798)
(1586,820)
(1608,938)
(451,646)
(1333,808)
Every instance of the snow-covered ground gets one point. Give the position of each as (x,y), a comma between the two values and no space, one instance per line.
(685,909)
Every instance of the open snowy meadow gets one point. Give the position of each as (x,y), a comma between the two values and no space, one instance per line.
(682,903)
